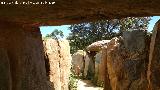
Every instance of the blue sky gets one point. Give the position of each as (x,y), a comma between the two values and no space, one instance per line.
(48,29)
(154,19)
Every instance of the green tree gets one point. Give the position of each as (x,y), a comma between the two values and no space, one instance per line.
(56,34)
(84,34)
(131,23)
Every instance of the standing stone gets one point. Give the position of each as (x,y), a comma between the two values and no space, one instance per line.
(101,67)
(87,60)
(100,61)
(58,62)
(154,59)
(105,74)
(98,69)
(5,75)
(91,66)
(65,63)
(78,61)
(25,52)
(52,61)
(127,61)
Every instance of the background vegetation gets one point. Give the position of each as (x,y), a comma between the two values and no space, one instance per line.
(84,34)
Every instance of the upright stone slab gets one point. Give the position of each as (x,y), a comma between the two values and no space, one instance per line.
(52,61)
(100,61)
(105,74)
(99,67)
(25,52)
(154,59)
(65,63)
(5,73)
(127,61)
(78,61)
(58,62)
(91,66)
(87,60)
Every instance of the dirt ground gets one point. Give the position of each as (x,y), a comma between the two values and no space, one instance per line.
(87,85)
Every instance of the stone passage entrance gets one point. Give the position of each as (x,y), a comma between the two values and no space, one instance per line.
(21,47)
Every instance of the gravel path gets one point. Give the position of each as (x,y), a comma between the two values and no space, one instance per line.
(87,85)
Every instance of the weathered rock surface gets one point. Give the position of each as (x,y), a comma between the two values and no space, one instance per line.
(24,49)
(91,66)
(65,64)
(58,62)
(100,67)
(5,76)
(78,61)
(154,57)
(105,74)
(127,61)
(98,60)
(87,60)
(97,46)
(70,12)
(52,61)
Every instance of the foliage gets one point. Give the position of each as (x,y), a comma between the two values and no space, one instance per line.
(73,81)
(84,34)
(56,34)
(140,23)
(45,38)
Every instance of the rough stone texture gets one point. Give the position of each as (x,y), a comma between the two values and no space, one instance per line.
(154,57)
(69,11)
(98,69)
(52,61)
(105,77)
(78,60)
(91,66)
(97,46)
(87,60)
(5,76)
(25,52)
(99,61)
(65,63)
(58,62)
(127,61)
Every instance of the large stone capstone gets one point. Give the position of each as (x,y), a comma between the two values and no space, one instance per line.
(58,62)
(97,46)
(64,12)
